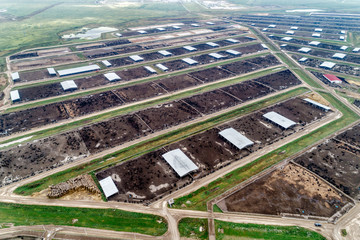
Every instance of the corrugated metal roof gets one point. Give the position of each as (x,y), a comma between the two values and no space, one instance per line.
(328,65)
(195,25)
(106,63)
(216,55)
(161,29)
(344,48)
(142,31)
(212,44)
(165,53)
(112,77)
(68,85)
(339,55)
(189,61)
(162,67)
(136,58)
(264,46)
(304,49)
(108,186)
(51,71)
(356,49)
(14,95)
(78,70)
(236,138)
(290,32)
(181,164)
(190,48)
(314,43)
(272,26)
(286,38)
(232,40)
(15,76)
(150,69)
(318,29)
(233,52)
(316,35)
(210,23)
(294,28)
(326,108)
(304,59)
(176,27)
(279,119)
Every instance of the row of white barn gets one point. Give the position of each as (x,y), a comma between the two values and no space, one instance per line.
(183,165)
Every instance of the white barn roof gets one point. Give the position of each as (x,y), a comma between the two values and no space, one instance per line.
(106,63)
(189,61)
(314,43)
(328,65)
(356,50)
(326,108)
(195,25)
(181,164)
(14,95)
(344,48)
(318,29)
(77,70)
(136,58)
(236,138)
(212,44)
(176,27)
(112,77)
(304,59)
(339,55)
(342,37)
(316,35)
(210,23)
(286,39)
(304,49)
(294,28)
(190,48)
(232,40)
(108,186)
(279,119)
(216,55)
(264,46)
(51,71)
(68,85)
(233,52)
(142,31)
(150,69)
(15,76)
(272,26)
(290,32)
(264,29)
(161,29)
(162,67)
(165,53)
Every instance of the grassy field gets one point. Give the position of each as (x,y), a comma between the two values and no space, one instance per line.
(198,199)
(268,232)
(190,228)
(109,219)
(353,38)
(152,144)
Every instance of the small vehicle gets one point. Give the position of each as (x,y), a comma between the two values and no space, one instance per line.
(317,224)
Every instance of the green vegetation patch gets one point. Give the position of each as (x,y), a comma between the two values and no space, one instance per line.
(109,219)
(194,228)
(229,230)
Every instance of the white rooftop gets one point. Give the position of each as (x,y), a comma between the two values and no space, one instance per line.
(108,186)
(176,27)
(51,71)
(264,46)
(14,95)
(339,55)
(195,25)
(216,55)
(279,119)
(264,29)
(287,38)
(294,28)
(304,59)
(283,45)
(233,52)
(314,43)
(161,29)
(272,26)
(316,35)
(165,53)
(112,77)
(236,138)
(150,69)
(136,58)
(318,29)
(190,48)
(106,63)
(232,40)
(68,85)
(344,48)
(210,23)
(15,76)
(304,49)
(142,31)
(342,37)
(356,49)
(328,65)
(290,32)
(162,67)
(77,70)
(189,61)
(342,31)
(212,44)
(181,164)
(326,108)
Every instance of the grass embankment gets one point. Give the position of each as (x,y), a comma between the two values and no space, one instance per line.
(190,228)
(231,230)
(200,197)
(125,110)
(109,219)
(153,144)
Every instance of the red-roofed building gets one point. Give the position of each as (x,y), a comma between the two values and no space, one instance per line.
(332,78)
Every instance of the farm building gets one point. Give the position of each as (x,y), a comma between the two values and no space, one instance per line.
(108,186)
(332,78)
(342,31)
(342,37)
(162,67)
(356,50)
(150,69)
(112,77)
(216,55)
(195,25)
(15,96)
(142,32)
(328,65)
(176,27)
(68,85)
(314,43)
(283,45)
(304,59)
(106,63)
(181,164)
(290,32)
(294,28)
(344,48)
(161,29)
(264,46)
(272,26)
(15,76)
(236,138)
(77,70)
(189,61)
(339,55)
(136,58)
(316,104)
(165,53)
(264,29)
(279,120)
(318,30)
(210,23)
(233,52)
(286,39)
(212,44)
(304,50)
(232,40)
(190,48)
(51,71)
(316,35)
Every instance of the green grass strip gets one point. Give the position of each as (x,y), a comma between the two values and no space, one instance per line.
(152,144)
(109,219)
(197,200)
(190,228)
(257,231)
